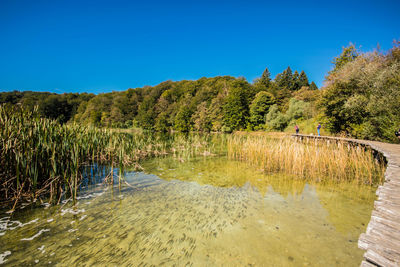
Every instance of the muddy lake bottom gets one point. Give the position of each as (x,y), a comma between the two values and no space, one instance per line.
(208,211)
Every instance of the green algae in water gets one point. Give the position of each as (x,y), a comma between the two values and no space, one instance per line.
(204,212)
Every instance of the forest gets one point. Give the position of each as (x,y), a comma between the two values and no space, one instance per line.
(360,98)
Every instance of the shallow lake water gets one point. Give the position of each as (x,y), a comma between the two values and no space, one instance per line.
(207,211)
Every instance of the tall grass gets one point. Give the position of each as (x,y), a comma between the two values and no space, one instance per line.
(40,156)
(314,161)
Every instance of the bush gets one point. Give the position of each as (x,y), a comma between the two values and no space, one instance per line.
(298,109)
(275,120)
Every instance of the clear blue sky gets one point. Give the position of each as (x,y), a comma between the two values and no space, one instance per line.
(101,46)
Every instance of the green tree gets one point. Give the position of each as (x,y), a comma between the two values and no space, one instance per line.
(348,54)
(282,97)
(95,117)
(183,119)
(298,109)
(332,102)
(276,120)
(303,79)
(146,114)
(295,81)
(259,108)
(55,107)
(201,119)
(236,108)
(285,79)
(361,97)
(162,124)
(266,78)
(215,112)
(313,86)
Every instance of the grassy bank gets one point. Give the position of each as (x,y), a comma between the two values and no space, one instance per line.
(313,161)
(42,157)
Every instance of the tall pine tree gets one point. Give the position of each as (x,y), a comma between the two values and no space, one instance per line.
(303,79)
(266,78)
(285,79)
(295,81)
(313,86)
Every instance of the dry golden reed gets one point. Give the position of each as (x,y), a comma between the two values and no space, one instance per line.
(316,161)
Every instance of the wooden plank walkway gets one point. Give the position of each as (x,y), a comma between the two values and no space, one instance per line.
(382,237)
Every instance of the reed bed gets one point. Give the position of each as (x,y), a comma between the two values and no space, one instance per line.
(42,157)
(314,161)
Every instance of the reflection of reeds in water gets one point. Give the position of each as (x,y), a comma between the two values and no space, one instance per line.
(284,185)
(40,156)
(313,161)
(221,172)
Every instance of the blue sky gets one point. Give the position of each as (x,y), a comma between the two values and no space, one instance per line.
(101,46)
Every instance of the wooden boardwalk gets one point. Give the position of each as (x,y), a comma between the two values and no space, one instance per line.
(382,237)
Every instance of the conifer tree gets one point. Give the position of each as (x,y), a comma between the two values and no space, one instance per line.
(303,79)
(266,78)
(295,81)
(285,79)
(313,86)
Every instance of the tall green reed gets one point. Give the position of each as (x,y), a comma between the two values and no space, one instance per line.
(40,156)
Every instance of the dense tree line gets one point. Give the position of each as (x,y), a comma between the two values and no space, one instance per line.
(360,98)
(62,107)
(209,104)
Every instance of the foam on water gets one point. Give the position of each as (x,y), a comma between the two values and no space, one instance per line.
(24,205)
(46,205)
(3,256)
(92,195)
(66,201)
(41,249)
(71,211)
(6,224)
(38,234)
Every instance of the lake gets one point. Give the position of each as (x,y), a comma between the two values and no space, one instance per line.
(206,211)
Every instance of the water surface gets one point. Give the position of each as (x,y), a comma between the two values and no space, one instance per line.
(203,212)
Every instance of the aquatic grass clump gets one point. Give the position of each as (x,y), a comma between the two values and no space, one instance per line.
(315,161)
(40,156)
(185,147)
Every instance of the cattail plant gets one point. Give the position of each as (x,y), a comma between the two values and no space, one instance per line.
(42,157)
